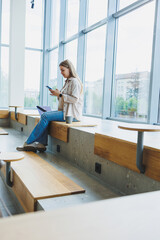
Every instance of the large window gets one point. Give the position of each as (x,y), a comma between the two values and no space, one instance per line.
(97,10)
(33,53)
(4,58)
(159,109)
(133,64)
(71,52)
(116,58)
(125,3)
(53,77)
(32,78)
(72,17)
(55,21)
(95,56)
(34,24)
(53,54)
(5,21)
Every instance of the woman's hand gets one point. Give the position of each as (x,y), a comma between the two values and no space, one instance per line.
(54,92)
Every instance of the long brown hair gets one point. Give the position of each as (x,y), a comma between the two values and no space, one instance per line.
(68,64)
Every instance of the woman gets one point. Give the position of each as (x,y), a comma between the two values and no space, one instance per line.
(70,102)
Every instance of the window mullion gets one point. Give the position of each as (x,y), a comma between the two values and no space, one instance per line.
(81,40)
(61,38)
(0,36)
(45,63)
(109,61)
(155,70)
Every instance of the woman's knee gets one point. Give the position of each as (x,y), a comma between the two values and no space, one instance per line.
(44,116)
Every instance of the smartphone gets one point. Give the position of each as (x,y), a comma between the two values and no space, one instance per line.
(48,87)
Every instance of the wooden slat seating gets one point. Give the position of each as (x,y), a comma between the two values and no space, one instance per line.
(60,130)
(57,130)
(22,116)
(34,179)
(124,153)
(4,114)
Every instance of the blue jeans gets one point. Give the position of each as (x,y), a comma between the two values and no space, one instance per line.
(40,132)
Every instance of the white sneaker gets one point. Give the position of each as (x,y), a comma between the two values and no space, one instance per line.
(27,147)
(40,147)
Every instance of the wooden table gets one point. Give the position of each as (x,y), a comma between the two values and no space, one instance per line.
(15,107)
(9,157)
(140,128)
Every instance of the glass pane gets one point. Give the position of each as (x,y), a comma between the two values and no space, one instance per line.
(133,64)
(4,77)
(125,3)
(34,24)
(97,10)
(71,52)
(53,68)
(32,78)
(72,17)
(95,56)
(159,109)
(55,20)
(5,21)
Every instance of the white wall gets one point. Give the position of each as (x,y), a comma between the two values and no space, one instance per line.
(17,52)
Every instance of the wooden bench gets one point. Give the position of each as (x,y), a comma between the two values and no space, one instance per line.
(34,179)
(60,130)
(4,114)
(22,116)
(123,153)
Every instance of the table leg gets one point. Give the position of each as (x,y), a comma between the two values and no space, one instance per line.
(8,174)
(16,113)
(139,156)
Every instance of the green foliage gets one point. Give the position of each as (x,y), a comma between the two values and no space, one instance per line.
(125,106)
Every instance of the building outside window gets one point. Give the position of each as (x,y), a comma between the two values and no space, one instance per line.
(133,64)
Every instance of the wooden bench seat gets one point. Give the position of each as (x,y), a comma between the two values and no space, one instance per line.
(60,130)
(4,113)
(124,153)
(22,116)
(34,179)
